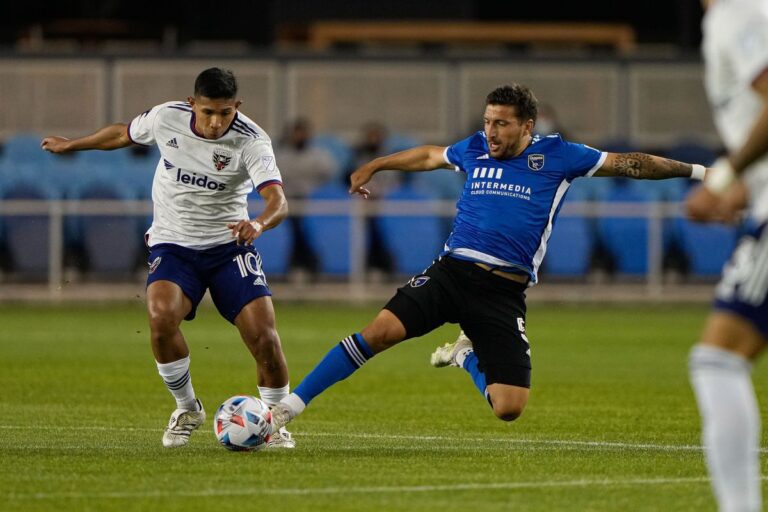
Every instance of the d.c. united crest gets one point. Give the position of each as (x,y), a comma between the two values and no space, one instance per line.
(221,158)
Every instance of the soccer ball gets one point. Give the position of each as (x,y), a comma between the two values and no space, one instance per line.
(243,423)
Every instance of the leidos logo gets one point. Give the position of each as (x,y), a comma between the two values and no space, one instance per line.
(198,181)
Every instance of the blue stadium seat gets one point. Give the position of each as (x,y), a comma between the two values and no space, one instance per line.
(329,235)
(23,147)
(139,175)
(441,183)
(97,158)
(708,246)
(111,244)
(590,189)
(27,236)
(570,247)
(625,238)
(398,142)
(275,246)
(413,241)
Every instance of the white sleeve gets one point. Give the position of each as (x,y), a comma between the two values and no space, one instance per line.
(259,160)
(141,128)
(750,46)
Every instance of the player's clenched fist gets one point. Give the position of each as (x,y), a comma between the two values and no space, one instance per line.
(55,144)
(246,231)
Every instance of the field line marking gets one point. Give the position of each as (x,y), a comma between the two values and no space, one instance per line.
(293,491)
(510,440)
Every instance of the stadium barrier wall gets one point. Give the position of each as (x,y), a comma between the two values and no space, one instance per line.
(641,102)
(654,214)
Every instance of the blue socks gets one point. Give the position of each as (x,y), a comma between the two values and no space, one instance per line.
(352,353)
(470,365)
(338,364)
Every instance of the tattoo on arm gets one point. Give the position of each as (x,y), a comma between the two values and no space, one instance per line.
(649,167)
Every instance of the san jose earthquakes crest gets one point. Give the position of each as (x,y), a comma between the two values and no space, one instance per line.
(535,162)
(221,158)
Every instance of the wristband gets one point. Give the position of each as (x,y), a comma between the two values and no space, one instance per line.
(720,176)
(698,172)
(261,225)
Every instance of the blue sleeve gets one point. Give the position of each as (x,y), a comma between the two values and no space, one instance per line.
(454,154)
(582,160)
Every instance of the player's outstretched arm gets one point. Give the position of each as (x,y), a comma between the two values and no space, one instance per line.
(275,211)
(642,166)
(421,158)
(114,136)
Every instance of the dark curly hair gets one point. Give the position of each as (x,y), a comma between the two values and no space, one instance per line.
(518,96)
(216,83)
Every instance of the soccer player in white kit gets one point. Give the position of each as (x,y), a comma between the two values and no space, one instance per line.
(735,49)
(201,235)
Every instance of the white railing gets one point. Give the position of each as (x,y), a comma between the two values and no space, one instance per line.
(359,210)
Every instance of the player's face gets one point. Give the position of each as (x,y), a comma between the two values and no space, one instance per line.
(507,134)
(213,115)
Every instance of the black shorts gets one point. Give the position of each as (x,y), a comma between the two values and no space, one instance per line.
(489,308)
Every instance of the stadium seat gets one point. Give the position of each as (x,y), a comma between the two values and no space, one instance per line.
(329,235)
(441,183)
(398,142)
(589,189)
(27,236)
(708,246)
(275,247)
(413,241)
(105,159)
(23,147)
(570,247)
(625,238)
(111,244)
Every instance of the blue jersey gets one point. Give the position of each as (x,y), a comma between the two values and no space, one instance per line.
(508,207)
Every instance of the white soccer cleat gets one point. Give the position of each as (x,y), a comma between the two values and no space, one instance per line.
(281,415)
(181,425)
(446,355)
(281,438)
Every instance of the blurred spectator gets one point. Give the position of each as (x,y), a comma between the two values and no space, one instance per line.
(304,168)
(373,136)
(372,144)
(548,122)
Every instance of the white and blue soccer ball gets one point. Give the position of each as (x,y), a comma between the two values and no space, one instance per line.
(243,423)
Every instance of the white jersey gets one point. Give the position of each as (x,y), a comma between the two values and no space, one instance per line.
(200,184)
(735,49)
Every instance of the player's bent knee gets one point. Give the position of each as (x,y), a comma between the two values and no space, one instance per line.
(508,412)
(508,402)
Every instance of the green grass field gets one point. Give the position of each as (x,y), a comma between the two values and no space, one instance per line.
(611,424)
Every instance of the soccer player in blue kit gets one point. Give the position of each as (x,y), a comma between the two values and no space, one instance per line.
(515,186)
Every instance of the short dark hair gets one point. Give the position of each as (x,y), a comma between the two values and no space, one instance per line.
(216,83)
(518,96)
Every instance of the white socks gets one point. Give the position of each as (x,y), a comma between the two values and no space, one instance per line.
(271,396)
(179,382)
(730,426)
(294,404)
